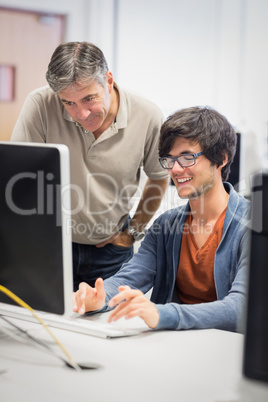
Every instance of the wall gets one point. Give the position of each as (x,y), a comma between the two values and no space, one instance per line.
(32,39)
(86,19)
(211,52)
(33,34)
(183,52)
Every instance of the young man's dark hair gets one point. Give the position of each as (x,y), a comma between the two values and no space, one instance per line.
(205,126)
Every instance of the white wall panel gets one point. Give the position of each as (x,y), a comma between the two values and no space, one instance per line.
(181,53)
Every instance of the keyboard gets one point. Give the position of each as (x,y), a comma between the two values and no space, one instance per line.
(74,322)
(84,325)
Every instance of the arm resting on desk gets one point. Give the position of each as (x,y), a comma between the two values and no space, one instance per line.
(147,270)
(155,265)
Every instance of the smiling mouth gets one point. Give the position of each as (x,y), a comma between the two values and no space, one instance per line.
(84,122)
(184,180)
(90,119)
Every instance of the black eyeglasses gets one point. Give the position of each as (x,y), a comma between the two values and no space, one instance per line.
(186,160)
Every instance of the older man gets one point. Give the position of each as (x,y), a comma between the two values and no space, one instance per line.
(111,134)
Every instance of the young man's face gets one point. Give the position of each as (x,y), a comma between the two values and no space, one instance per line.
(88,103)
(194,181)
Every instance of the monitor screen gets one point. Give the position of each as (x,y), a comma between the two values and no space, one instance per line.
(31,256)
(234,176)
(255,364)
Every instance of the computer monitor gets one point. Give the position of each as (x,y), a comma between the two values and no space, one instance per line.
(234,176)
(35,245)
(255,362)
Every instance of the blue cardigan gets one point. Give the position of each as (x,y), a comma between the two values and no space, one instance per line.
(155,266)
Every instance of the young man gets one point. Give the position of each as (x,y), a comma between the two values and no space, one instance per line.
(195,256)
(111,134)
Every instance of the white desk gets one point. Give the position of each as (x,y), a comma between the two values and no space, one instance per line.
(166,366)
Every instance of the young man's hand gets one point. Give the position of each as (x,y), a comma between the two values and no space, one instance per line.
(131,303)
(87,298)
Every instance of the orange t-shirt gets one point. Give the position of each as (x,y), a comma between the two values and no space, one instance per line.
(195,276)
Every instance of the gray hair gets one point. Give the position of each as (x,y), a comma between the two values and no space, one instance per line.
(74,62)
